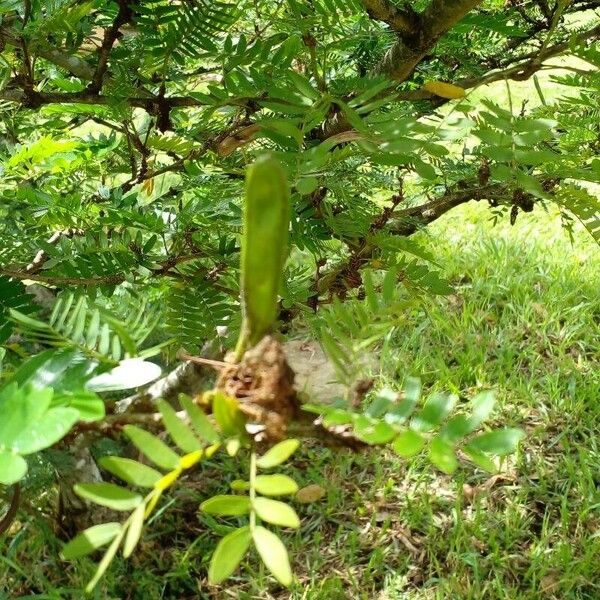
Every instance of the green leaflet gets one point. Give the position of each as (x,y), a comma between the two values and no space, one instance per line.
(91,539)
(264,248)
(277,454)
(273,554)
(12,467)
(228,554)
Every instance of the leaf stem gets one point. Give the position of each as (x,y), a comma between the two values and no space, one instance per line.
(252,490)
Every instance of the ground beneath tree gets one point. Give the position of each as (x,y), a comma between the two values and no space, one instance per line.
(524,320)
(315,374)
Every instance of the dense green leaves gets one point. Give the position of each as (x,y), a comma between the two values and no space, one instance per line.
(143,210)
(136,190)
(78,321)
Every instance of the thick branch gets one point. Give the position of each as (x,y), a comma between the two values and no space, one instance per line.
(402,22)
(151,104)
(405,54)
(52,280)
(438,18)
(408,221)
(36,99)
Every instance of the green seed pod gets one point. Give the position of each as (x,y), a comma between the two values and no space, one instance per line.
(264,248)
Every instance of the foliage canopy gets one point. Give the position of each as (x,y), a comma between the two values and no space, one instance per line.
(127,126)
(127,131)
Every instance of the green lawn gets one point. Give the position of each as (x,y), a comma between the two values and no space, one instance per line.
(524,319)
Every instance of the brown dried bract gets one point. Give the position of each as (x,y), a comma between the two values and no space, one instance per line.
(263,383)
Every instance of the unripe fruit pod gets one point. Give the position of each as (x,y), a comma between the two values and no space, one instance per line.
(264,248)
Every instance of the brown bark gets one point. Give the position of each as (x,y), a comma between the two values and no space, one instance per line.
(438,18)
(403,22)
(11,514)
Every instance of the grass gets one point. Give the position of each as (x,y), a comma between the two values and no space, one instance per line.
(524,319)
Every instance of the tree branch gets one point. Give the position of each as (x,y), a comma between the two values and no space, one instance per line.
(152,104)
(410,220)
(343,277)
(55,280)
(11,514)
(35,99)
(42,256)
(402,22)
(525,68)
(76,66)
(165,269)
(124,15)
(439,17)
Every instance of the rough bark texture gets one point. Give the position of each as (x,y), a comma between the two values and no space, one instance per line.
(438,18)
(401,21)
(263,382)
(75,514)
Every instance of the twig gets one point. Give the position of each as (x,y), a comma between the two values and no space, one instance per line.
(40,258)
(124,15)
(200,360)
(11,514)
